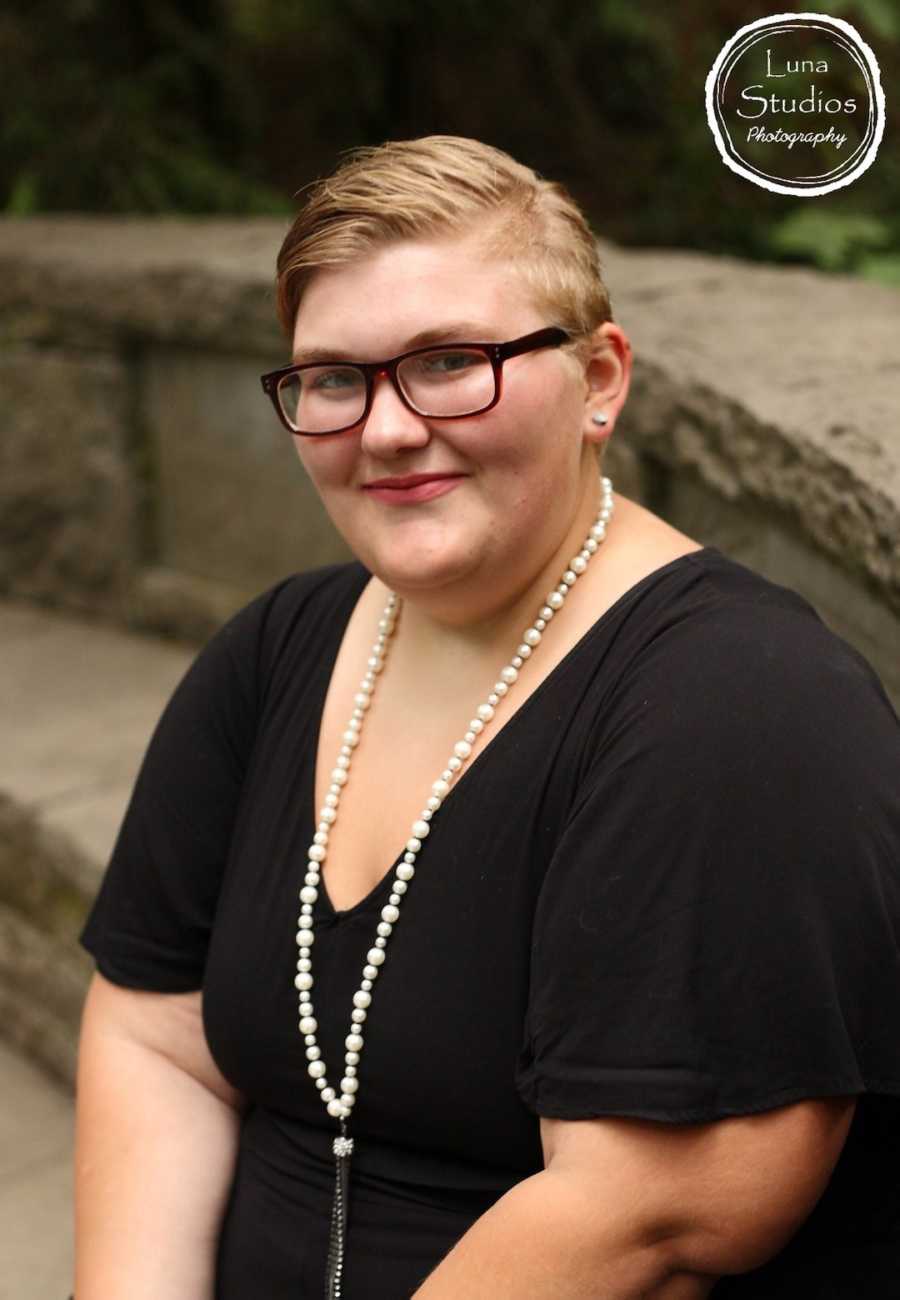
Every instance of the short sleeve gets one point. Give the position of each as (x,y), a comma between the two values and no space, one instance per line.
(718,931)
(150,923)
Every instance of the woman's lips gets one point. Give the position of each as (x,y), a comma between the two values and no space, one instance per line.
(396,496)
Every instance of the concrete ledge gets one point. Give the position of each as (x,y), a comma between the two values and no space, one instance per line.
(82,700)
(763,419)
(45,886)
(774,384)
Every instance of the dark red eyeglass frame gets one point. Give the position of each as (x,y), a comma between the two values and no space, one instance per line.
(549,337)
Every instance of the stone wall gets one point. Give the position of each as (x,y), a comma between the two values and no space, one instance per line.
(145,482)
(144,478)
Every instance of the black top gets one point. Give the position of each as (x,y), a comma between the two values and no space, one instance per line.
(669,887)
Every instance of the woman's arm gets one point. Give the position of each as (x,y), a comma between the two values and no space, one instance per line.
(631,1209)
(156,1140)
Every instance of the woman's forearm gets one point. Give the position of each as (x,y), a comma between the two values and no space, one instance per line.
(155,1152)
(542,1240)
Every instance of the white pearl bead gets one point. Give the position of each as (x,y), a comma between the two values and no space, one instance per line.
(316,1069)
(304,964)
(399,888)
(485,712)
(454,763)
(555,600)
(353,1042)
(309,894)
(352,1058)
(361,999)
(420,829)
(358,1015)
(570,578)
(313,1053)
(303,981)
(509,675)
(316,852)
(374,956)
(335,1108)
(311,878)
(406,871)
(366,985)
(546,613)
(517,661)
(500,688)
(309,1040)
(380,942)
(391,914)
(384,929)
(348,1084)
(305,938)
(462,749)
(413,845)
(539,624)
(493,699)
(476,725)
(347,1100)
(361,700)
(308,1025)
(578,564)
(370,972)
(339,777)
(328,1094)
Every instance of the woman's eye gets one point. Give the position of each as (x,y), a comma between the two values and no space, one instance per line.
(336,379)
(445,362)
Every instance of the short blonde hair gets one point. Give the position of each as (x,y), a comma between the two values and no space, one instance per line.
(440,185)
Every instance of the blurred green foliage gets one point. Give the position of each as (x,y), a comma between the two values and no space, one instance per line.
(231,106)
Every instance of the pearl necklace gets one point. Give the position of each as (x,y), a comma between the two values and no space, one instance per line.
(339,1106)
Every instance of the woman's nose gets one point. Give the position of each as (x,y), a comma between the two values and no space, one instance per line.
(390,422)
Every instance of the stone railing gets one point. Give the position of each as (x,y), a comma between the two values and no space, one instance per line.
(145,482)
(145,478)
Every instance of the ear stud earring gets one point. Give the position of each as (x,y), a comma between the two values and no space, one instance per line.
(600,417)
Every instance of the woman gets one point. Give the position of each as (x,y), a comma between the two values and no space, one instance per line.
(618,1020)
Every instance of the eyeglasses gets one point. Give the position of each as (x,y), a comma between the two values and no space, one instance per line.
(443,383)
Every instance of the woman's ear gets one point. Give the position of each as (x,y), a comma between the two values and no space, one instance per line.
(607,375)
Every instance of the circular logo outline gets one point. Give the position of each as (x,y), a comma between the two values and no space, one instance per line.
(849,40)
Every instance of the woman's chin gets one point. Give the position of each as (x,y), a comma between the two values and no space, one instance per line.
(420,568)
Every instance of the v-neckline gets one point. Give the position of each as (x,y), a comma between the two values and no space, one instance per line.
(324,908)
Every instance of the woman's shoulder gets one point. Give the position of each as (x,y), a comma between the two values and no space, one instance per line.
(710,605)
(707,646)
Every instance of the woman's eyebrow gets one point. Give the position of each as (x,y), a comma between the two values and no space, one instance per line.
(465,331)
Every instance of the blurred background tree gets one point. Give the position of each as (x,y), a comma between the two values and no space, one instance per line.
(232,106)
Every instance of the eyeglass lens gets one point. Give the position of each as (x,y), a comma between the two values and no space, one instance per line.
(446,381)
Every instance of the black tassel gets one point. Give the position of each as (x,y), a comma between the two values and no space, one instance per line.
(343,1149)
